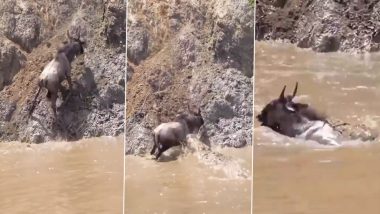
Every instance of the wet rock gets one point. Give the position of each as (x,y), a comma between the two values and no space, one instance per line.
(37,138)
(355,131)
(327,44)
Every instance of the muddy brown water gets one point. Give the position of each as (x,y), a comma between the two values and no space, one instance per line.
(188,185)
(62,177)
(294,176)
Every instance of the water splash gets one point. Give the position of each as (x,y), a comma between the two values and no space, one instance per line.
(230,167)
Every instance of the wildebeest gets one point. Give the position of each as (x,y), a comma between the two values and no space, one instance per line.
(170,134)
(292,119)
(57,70)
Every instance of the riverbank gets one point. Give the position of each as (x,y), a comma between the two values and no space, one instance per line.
(324,26)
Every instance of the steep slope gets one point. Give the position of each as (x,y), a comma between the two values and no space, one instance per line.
(36,29)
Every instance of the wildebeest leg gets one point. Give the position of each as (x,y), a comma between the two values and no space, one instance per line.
(153,149)
(69,81)
(161,150)
(155,140)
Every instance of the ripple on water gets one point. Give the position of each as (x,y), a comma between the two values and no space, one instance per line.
(198,180)
(62,177)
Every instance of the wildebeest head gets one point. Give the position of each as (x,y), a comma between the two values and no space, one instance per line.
(282,114)
(194,120)
(292,119)
(73,48)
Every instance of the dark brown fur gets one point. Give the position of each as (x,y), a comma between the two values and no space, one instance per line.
(170,134)
(64,56)
(282,114)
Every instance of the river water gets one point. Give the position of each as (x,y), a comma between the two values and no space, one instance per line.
(62,177)
(189,184)
(292,176)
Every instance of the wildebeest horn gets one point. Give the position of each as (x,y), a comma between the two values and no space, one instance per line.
(295,90)
(282,97)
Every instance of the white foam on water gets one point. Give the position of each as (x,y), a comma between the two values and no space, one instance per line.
(271,138)
(355,88)
(321,132)
(230,167)
(325,161)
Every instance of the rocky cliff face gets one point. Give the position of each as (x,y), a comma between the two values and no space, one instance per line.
(197,52)
(30,33)
(324,26)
